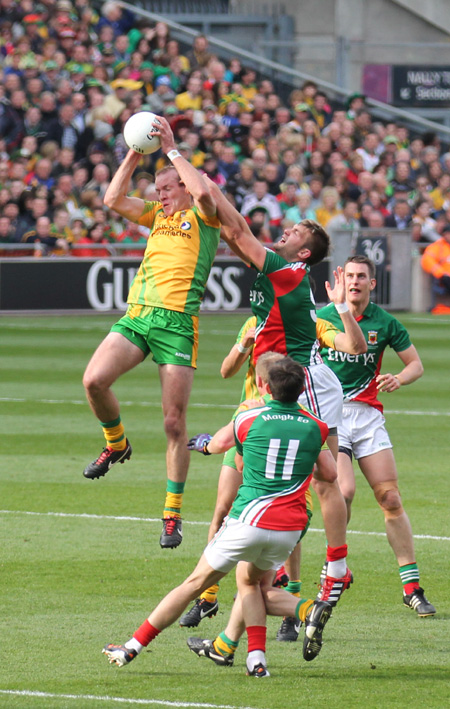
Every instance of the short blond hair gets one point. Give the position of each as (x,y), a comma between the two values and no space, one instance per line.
(264,363)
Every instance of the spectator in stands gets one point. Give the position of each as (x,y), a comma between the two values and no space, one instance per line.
(89,242)
(34,208)
(436,262)
(347,219)
(401,217)
(42,234)
(287,196)
(162,96)
(260,197)
(301,114)
(228,164)
(423,224)
(192,97)
(136,236)
(440,193)
(369,151)
(258,221)
(199,55)
(302,209)
(6,230)
(329,206)
(101,178)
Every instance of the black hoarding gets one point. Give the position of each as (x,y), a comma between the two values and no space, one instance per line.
(421,86)
(102,285)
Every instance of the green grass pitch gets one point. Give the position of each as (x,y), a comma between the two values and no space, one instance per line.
(81,563)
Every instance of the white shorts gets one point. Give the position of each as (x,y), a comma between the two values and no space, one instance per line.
(362,430)
(235,541)
(323,394)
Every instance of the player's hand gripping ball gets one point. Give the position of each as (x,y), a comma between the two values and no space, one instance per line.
(139,132)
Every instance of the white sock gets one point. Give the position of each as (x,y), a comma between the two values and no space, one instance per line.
(134,644)
(255,657)
(337,569)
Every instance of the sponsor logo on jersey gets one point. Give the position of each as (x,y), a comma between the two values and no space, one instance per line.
(373,337)
(366,358)
(185,225)
(256,296)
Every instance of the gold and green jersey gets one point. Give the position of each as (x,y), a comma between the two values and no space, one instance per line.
(178,258)
(249,389)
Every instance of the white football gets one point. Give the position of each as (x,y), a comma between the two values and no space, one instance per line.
(138,133)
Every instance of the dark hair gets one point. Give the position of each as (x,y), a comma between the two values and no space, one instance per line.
(286,379)
(359,258)
(318,241)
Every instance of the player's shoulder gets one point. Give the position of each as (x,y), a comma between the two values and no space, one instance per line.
(326,312)
(376,312)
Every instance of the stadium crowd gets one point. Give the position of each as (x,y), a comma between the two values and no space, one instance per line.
(70,78)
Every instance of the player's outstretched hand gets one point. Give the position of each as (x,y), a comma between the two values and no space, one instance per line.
(198,442)
(337,293)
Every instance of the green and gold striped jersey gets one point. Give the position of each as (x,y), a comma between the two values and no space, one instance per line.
(178,258)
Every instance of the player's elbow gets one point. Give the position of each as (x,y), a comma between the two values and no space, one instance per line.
(110,199)
(226,372)
(359,346)
(420,369)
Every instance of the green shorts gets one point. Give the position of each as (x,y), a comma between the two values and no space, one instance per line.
(170,336)
(228,458)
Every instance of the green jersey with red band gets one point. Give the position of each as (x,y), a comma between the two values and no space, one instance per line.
(358,373)
(280,443)
(282,300)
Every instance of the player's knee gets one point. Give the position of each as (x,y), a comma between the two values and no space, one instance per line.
(388,497)
(93,382)
(174,425)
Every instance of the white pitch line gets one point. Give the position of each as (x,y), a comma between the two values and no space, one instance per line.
(194,405)
(118,700)
(123,518)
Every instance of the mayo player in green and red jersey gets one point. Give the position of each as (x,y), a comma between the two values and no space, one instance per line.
(362,432)
(283,303)
(351,340)
(162,316)
(279,446)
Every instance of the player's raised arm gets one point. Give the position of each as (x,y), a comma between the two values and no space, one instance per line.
(352,339)
(116,196)
(236,231)
(189,175)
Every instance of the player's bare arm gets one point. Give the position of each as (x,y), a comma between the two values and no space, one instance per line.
(325,469)
(236,231)
(116,197)
(189,175)
(412,371)
(352,339)
(236,357)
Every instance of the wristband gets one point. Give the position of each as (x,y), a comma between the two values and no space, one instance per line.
(205,449)
(172,154)
(341,307)
(241,348)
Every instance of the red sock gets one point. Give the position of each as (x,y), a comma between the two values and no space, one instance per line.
(336,553)
(409,588)
(256,637)
(146,633)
